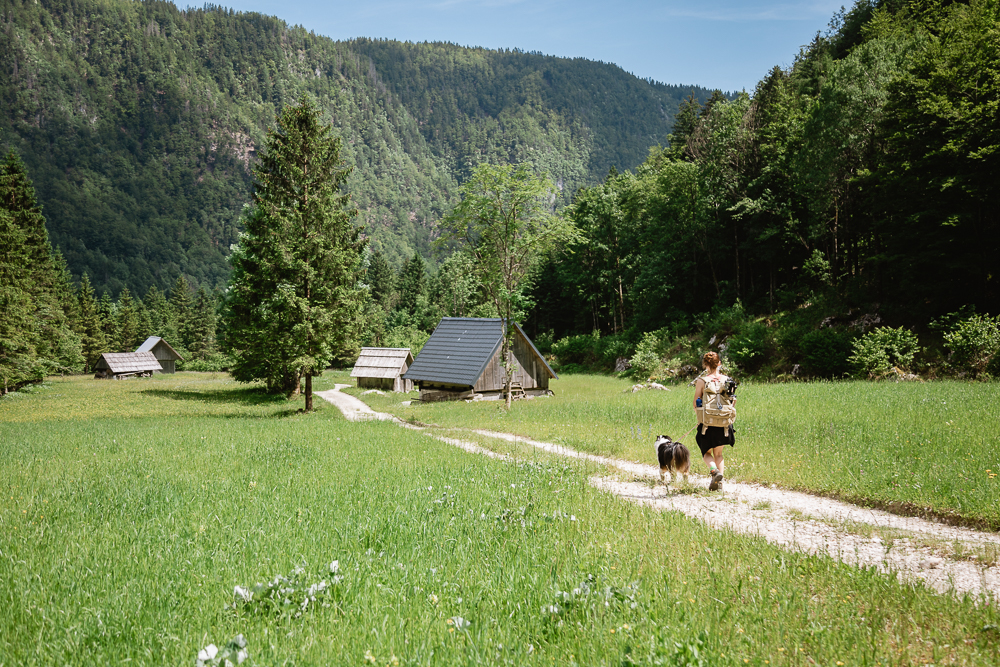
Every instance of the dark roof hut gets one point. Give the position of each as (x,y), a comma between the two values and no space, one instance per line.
(161,349)
(462,359)
(120,365)
(383,367)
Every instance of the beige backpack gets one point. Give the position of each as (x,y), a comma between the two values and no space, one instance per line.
(717,406)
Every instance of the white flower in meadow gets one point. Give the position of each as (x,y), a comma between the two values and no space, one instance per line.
(459,622)
(208,653)
(243,593)
(433,599)
(335,567)
(572,517)
(242,655)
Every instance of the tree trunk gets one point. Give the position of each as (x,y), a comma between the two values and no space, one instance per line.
(309,392)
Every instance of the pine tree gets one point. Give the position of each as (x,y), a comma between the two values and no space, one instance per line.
(158,310)
(202,325)
(90,330)
(17,344)
(412,284)
(128,322)
(294,301)
(684,123)
(107,314)
(180,314)
(381,280)
(56,346)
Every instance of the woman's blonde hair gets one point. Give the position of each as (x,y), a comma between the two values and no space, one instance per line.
(711,359)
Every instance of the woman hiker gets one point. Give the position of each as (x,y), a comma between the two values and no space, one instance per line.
(712,439)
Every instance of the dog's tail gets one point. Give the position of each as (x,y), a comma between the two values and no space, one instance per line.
(682,457)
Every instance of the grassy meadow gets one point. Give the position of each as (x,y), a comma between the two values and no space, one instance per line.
(130,511)
(923,445)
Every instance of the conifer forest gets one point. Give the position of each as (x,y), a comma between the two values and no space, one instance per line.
(840,219)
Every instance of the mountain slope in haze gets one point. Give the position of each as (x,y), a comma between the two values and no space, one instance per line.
(138,123)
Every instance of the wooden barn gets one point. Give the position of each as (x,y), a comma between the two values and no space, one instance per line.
(120,365)
(161,349)
(462,359)
(383,367)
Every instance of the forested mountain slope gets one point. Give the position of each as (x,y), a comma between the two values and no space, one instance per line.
(138,123)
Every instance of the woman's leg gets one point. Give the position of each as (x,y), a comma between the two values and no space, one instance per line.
(717,456)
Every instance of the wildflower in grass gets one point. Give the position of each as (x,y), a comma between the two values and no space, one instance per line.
(243,593)
(207,653)
(335,567)
(369,657)
(459,622)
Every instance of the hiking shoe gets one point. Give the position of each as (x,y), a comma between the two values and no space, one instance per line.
(716,484)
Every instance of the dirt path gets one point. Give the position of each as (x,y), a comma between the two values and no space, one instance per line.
(943,557)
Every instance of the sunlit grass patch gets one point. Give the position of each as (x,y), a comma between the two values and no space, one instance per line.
(140,539)
(914,444)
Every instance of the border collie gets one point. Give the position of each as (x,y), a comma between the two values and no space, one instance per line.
(673,456)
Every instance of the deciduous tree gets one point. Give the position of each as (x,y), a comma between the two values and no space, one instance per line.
(505,223)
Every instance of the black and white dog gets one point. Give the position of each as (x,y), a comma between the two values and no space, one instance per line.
(673,456)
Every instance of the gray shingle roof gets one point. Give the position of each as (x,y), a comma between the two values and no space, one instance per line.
(153,341)
(459,350)
(129,362)
(381,362)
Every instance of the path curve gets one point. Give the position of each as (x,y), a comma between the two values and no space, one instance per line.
(913,548)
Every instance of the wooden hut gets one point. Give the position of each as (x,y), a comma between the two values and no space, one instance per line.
(120,365)
(462,359)
(383,367)
(161,349)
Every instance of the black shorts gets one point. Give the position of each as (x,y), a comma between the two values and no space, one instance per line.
(714,436)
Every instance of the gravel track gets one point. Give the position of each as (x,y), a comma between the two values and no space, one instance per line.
(944,558)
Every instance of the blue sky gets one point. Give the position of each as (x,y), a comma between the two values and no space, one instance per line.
(713,43)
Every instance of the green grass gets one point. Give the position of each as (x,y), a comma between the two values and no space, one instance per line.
(130,511)
(919,445)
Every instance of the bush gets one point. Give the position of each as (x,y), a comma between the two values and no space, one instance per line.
(213,363)
(406,336)
(879,350)
(579,350)
(646,360)
(749,348)
(826,352)
(974,343)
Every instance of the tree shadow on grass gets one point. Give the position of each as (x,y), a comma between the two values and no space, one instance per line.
(252,396)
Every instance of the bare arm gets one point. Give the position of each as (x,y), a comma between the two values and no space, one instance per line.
(699,390)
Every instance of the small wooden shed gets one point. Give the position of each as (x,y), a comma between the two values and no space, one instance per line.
(383,367)
(161,349)
(462,359)
(119,365)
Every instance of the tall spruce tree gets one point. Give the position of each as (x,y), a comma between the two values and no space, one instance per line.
(17,340)
(180,314)
(202,327)
(294,299)
(90,330)
(381,280)
(412,284)
(128,322)
(106,312)
(56,346)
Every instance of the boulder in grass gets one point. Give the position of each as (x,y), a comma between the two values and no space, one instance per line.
(651,385)
(373,391)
